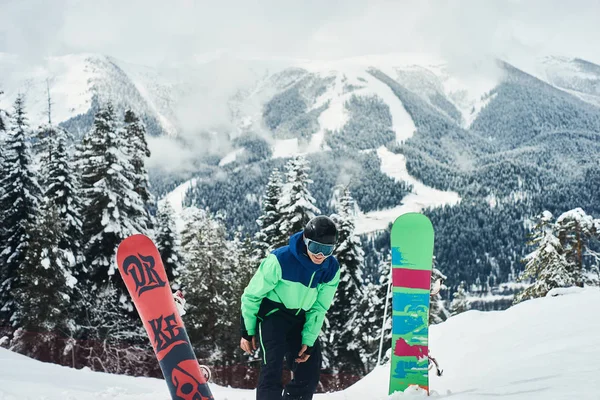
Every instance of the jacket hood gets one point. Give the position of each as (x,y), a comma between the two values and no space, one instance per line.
(298,249)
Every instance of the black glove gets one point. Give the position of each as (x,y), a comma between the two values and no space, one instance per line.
(243,331)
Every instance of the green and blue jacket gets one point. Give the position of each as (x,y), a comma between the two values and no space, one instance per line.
(288,281)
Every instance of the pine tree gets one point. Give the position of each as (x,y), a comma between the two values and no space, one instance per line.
(297,206)
(460,303)
(119,344)
(343,318)
(205,282)
(241,257)
(437,310)
(372,313)
(137,149)
(3,172)
(43,299)
(593,277)
(370,321)
(2,117)
(62,192)
(269,235)
(547,264)
(111,207)
(168,242)
(574,229)
(20,206)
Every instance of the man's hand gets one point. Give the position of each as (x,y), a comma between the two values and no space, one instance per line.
(303,355)
(247,345)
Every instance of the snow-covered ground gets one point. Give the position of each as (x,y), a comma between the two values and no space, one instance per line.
(176,199)
(421,197)
(542,349)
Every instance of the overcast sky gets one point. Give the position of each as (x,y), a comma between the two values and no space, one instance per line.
(157,32)
(169,32)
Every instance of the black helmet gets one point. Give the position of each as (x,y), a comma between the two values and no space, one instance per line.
(321,229)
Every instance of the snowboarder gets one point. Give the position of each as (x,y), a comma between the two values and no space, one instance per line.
(284,306)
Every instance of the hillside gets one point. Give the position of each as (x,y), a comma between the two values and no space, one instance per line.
(481,153)
(520,354)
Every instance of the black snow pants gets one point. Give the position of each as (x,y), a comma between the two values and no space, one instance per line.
(279,335)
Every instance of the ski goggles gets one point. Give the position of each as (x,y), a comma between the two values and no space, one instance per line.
(316,247)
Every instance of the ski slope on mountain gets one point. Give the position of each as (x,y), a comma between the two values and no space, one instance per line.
(542,349)
(335,115)
(421,197)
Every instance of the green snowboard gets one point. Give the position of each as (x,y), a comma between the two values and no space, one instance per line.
(412,258)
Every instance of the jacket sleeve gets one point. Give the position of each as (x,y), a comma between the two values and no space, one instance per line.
(316,315)
(264,280)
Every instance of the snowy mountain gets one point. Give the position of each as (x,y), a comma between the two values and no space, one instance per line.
(405,132)
(76,84)
(576,76)
(541,349)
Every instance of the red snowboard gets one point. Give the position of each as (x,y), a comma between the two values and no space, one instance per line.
(144,275)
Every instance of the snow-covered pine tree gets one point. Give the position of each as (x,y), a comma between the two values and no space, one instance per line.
(437,309)
(374,299)
(574,229)
(546,264)
(118,345)
(3,172)
(593,277)
(370,322)
(137,149)
(205,283)
(2,117)
(168,242)
(19,204)
(370,316)
(43,310)
(242,259)
(44,136)
(297,205)
(112,209)
(269,235)
(62,192)
(460,303)
(345,324)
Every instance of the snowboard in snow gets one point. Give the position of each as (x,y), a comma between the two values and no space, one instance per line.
(412,256)
(144,275)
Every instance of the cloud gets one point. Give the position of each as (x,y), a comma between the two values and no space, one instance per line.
(162,32)
(202,34)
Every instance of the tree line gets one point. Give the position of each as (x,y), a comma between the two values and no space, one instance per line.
(65,206)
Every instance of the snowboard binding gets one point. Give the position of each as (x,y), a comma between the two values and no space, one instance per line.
(206,372)
(433,363)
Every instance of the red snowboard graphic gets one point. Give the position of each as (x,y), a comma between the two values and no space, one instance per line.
(144,275)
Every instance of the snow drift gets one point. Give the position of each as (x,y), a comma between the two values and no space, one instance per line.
(541,349)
